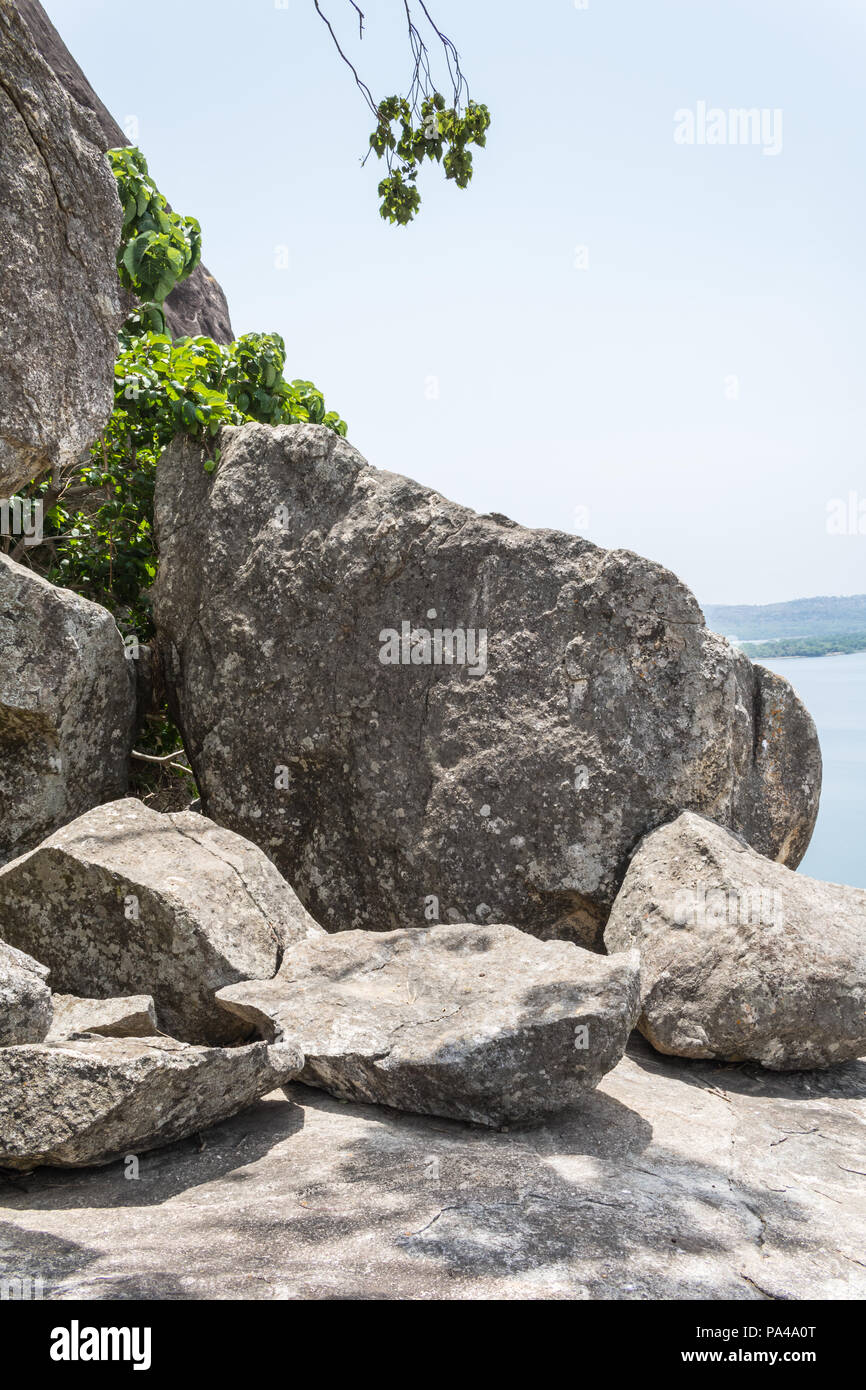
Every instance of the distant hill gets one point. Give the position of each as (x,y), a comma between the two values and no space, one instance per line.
(801,617)
(837,645)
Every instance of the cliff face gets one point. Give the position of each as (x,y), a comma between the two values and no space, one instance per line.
(198,305)
(60,302)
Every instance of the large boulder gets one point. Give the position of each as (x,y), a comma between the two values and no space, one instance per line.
(482,1024)
(90,1100)
(393,788)
(60,303)
(197,305)
(67,707)
(741,958)
(25,999)
(128,901)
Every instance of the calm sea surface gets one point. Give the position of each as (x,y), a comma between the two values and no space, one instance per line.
(833,689)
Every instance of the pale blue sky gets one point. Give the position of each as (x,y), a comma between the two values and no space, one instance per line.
(604,388)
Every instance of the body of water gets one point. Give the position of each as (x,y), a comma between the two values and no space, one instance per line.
(833,689)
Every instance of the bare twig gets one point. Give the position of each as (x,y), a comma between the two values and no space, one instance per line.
(165,760)
(361,85)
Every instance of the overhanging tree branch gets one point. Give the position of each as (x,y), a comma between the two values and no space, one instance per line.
(429,127)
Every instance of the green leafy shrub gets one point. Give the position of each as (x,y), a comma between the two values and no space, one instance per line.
(99,522)
(98,518)
(436,132)
(157,248)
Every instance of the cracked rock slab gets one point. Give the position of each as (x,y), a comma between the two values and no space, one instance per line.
(25,999)
(60,304)
(88,1101)
(398,778)
(67,707)
(126,900)
(673,1180)
(740,957)
(477,1023)
(132,1016)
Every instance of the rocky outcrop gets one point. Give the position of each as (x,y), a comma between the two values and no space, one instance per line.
(197,305)
(91,1100)
(25,999)
(555,703)
(60,305)
(482,1024)
(741,958)
(67,708)
(132,1016)
(128,901)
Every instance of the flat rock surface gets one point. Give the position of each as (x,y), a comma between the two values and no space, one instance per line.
(476,1023)
(673,1180)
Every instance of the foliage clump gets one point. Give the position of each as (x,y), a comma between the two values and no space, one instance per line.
(437,132)
(98,517)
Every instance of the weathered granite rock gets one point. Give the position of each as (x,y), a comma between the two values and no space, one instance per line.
(476,1023)
(673,1180)
(741,958)
(60,304)
(126,900)
(510,788)
(67,708)
(91,1100)
(197,305)
(130,1016)
(25,999)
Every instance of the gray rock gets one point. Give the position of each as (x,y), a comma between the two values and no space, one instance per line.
(67,708)
(25,999)
(91,1100)
(60,303)
(126,900)
(388,794)
(476,1023)
(673,1180)
(196,306)
(741,958)
(131,1016)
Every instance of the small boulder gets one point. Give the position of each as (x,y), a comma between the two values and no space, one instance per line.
(128,901)
(741,958)
(91,1100)
(25,999)
(132,1016)
(477,1023)
(67,708)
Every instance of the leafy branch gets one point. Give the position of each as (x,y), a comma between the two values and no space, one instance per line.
(424,124)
